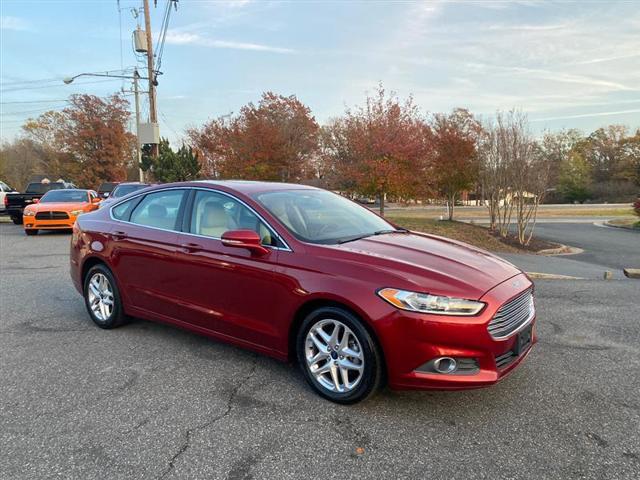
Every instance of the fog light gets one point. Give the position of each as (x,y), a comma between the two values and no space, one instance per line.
(445,365)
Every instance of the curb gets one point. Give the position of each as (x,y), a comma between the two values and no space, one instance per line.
(631,272)
(561,250)
(551,276)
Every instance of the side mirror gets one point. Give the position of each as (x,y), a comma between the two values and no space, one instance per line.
(96,200)
(105,195)
(35,200)
(244,239)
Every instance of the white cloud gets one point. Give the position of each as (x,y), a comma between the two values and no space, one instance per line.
(587,115)
(13,23)
(185,38)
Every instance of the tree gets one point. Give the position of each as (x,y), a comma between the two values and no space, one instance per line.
(19,159)
(87,141)
(274,140)
(574,178)
(558,147)
(514,174)
(629,166)
(171,166)
(380,148)
(455,140)
(602,149)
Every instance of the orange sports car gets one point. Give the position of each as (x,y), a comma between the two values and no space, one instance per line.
(58,210)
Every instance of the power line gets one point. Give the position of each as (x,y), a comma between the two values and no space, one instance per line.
(34,101)
(7,90)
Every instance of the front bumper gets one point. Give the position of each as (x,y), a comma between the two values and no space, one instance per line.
(30,223)
(413,340)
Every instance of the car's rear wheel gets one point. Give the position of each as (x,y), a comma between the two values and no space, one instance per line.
(102,297)
(31,231)
(17,220)
(338,356)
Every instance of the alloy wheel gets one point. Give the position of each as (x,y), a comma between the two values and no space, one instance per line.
(100,296)
(334,356)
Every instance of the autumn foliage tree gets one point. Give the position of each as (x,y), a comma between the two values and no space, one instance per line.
(274,140)
(380,148)
(455,140)
(90,138)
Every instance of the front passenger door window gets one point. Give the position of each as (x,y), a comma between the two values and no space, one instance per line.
(214,214)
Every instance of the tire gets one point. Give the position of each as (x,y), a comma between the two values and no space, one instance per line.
(361,382)
(17,220)
(103,316)
(31,231)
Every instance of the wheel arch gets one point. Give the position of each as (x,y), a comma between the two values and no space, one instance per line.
(92,262)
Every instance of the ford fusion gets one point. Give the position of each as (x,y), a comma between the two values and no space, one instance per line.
(303,274)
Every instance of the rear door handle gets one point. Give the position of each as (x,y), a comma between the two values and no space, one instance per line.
(191,247)
(119,235)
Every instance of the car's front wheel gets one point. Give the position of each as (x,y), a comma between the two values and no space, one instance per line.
(32,231)
(339,357)
(102,297)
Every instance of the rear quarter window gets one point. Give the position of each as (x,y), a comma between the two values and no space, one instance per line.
(122,210)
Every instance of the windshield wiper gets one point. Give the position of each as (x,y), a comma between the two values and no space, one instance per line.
(379,232)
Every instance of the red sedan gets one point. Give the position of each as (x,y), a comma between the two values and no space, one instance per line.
(300,273)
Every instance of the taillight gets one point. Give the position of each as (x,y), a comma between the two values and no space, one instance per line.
(6,200)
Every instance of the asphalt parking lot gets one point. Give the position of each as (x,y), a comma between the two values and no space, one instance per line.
(151,401)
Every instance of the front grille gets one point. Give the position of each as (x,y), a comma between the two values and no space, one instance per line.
(51,216)
(511,316)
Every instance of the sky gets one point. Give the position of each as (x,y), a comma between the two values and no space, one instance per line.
(566,64)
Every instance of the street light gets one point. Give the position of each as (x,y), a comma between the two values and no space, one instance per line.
(69,80)
(136,76)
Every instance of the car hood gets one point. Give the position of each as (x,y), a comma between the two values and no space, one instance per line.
(432,264)
(58,206)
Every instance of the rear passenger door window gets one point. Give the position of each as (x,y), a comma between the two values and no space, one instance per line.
(159,210)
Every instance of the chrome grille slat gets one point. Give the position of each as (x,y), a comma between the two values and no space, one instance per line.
(513,305)
(512,316)
(516,318)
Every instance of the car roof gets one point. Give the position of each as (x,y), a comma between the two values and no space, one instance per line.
(249,186)
(71,190)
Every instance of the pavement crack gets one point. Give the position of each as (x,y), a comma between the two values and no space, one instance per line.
(191,431)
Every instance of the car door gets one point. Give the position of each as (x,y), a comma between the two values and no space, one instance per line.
(143,240)
(227,289)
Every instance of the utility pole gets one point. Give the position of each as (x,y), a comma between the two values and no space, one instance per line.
(153,114)
(136,76)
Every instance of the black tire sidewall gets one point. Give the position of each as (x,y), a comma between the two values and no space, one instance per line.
(31,232)
(373,360)
(117,316)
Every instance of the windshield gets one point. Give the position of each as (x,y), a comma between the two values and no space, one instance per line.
(65,196)
(107,187)
(39,188)
(122,190)
(319,216)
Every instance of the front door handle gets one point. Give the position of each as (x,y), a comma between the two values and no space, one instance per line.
(191,247)
(119,235)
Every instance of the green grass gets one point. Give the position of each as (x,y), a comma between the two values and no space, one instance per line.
(631,223)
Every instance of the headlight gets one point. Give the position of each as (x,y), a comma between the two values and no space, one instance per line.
(28,213)
(425,303)
(75,213)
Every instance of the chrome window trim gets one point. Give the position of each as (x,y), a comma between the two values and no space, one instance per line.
(286,248)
